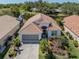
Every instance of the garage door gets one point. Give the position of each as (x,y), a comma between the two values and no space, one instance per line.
(30,38)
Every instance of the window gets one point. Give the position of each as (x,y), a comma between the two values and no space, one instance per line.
(54,33)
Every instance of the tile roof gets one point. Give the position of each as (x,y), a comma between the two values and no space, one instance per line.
(54,27)
(7,23)
(72,23)
(39,18)
(32,29)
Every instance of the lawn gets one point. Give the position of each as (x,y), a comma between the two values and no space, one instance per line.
(4,11)
(61,14)
(73,50)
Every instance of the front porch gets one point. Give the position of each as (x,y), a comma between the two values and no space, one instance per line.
(51,34)
(54,33)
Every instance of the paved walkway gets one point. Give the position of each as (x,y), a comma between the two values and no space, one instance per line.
(30,51)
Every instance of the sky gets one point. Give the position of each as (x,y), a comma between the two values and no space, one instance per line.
(21,1)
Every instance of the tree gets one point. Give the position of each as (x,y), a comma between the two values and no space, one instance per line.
(50,55)
(43,45)
(17,43)
(75,43)
(12,53)
(15,11)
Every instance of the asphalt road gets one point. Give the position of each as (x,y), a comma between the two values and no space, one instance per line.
(29,51)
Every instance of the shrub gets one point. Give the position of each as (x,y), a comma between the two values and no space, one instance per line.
(43,45)
(67,33)
(28,15)
(65,42)
(12,53)
(70,36)
(49,55)
(18,43)
(75,43)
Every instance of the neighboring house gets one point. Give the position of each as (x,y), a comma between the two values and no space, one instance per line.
(71,25)
(8,26)
(34,9)
(38,27)
(58,10)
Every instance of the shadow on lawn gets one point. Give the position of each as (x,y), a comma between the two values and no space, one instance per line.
(72,56)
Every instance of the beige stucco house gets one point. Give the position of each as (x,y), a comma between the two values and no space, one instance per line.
(38,27)
(71,25)
(8,26)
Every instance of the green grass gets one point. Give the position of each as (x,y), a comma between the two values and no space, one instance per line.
(41,55)
(74,51)
(60,57)
(61,14)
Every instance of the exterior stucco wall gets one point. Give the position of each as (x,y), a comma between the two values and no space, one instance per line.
(58,33)
(40,36)
(73,35)
(20,37)
(49,33)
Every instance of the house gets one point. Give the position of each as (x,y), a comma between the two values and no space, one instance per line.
(34,9)
(38,27)
(71,25)
(8,26)
(59,10)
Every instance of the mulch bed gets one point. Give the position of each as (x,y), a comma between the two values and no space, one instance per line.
(55,46)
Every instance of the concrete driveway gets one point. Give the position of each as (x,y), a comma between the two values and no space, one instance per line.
(30,51)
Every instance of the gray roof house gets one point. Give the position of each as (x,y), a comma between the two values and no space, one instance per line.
(38,27)
(8,26)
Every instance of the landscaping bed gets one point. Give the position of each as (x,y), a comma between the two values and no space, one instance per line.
(57,47)
(61,48)
(15,43)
